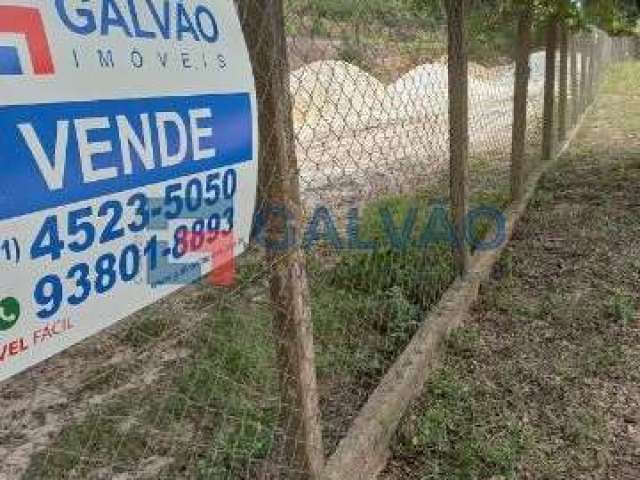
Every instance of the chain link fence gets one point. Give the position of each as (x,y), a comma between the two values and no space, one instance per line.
(354,245)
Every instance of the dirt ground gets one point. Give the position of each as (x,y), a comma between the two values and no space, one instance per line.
(544,380)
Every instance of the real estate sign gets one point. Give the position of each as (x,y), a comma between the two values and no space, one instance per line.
(128,150)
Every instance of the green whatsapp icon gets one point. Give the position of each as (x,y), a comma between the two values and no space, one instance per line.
(9,313)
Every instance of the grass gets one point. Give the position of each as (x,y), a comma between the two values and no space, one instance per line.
(540,382)
(147,329)
(220,406)
(448,437)
(212,411)
(211,408)
(622,307)
(621,80)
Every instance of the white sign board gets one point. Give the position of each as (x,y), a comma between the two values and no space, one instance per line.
(128,151)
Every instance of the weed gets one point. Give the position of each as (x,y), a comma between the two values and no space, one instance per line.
(354,51)
(95,442)
(451,440)
(149,328)
(464,341)
(621,307)
(621,80)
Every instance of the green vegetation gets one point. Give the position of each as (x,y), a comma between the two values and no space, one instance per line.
(388,38)
(211,413)
(617,17)
(622,81)
(449,434)
(209,410)
(530,387)
(386,12)
(622,307)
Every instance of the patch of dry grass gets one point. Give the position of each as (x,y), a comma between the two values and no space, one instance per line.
(544,382)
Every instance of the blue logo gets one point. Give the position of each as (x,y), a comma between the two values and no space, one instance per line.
(171,20)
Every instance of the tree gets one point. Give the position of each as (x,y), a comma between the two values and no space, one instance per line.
(616,17)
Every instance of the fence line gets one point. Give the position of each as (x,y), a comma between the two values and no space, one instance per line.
(304,369)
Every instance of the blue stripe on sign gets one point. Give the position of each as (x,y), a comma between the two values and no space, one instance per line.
(9,61)
(23,188)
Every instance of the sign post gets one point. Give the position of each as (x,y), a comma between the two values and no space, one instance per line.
(128,150)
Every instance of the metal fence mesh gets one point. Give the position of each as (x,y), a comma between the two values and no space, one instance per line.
(192,387)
